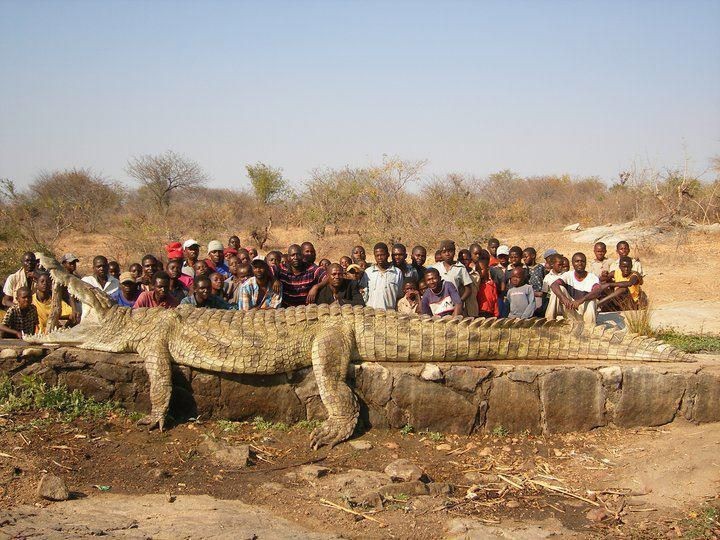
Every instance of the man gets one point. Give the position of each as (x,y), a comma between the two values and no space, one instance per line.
(216,259)
(308,253)
(42,300)
(419,256)
(128,293)
(300,279)
(358,254)
(191,250)
(575,290)
(149,265)
(257,291)
(69,262)
(22,317)
(338,289)
(492,247)
(101,277)
(25,277)
(441,297)
(234,242)
(399,258)
(454,271)
(159,296)
(384,281)
(202,298)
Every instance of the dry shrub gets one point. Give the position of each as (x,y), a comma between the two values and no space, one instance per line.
(638,321)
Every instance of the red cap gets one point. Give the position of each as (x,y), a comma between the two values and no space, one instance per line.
(175,254)
(229,251)
(174,246)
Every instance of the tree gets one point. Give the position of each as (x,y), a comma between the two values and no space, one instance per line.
(267,182)
(163,175)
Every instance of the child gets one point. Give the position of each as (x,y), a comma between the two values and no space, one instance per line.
(556,270)
(422,287)
(565,265)
(628,293)
(487,295)
(21,317)
(536,274)
(441,297)
(410,303)
(345,262)
(136,270)
(601,265)
(520,295)
(114,269)
(623,250)
(216,284)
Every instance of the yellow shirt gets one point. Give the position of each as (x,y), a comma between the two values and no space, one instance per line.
(634,290)
(43,310)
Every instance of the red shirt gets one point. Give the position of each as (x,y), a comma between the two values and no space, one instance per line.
(147,299)
(487,297)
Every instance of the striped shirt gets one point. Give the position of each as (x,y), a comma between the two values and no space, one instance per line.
(22,320)
(296,287)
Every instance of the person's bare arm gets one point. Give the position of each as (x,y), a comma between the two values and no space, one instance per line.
(467,289)
(7,301)
(312,293)
(556,288)
(457,310)
(8,330)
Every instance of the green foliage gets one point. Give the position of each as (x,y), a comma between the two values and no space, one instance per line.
(407,429)
(228,426)
(702,524)
(433,435)
(260,424)
(500,431)
(267,182)
(33,394)
(691,343)
(308,425)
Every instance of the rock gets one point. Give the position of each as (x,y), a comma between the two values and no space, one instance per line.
(7,354)
(247,396)
(513,405)
(374,384)
(361,445)
(52,488)
(443,447)
(225,454)
(707,398)
(391,445)
(404,488)
(512,504)
(480,478)
(434,407)
(114,372)
(485,452)
(312,472)
(159,474)
(431,373)
(597,515)
(523,375)
(648,398)
(355,482)
(573,227)
(440,488)
(573,400)
(94,387)
(403,470)
(370,499)
(466,378)
(32,352)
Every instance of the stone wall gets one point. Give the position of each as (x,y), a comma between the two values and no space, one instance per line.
(539,398)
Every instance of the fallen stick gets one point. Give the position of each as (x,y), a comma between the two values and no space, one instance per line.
(503,477)
(3,454)
(331,504)
(61,465)
(562,491)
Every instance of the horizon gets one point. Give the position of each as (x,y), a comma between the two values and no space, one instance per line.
(541,89)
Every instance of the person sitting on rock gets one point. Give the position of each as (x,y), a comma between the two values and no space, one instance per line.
(22,317)
(627,293)
(576,290)
(128,293)
(623,250)
(159,296)
(339,289)
(202,298)
(25,277)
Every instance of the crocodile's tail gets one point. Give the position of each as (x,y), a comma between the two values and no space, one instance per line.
(409,338)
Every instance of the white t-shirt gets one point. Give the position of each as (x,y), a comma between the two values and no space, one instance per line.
(383,288)
(577,288)
(457,274)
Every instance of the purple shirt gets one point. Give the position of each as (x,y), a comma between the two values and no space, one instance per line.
(443,303)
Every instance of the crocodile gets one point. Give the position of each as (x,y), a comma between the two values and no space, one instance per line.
(326,337)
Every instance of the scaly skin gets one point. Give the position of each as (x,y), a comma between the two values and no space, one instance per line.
(326,338)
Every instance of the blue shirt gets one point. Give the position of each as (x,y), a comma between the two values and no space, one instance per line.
(120,299)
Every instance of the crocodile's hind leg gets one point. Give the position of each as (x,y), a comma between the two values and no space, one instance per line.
(330,360)
(157,358)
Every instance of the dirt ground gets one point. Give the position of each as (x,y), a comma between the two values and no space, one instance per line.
(126,482)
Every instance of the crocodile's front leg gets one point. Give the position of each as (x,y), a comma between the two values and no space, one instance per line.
(330,360)
(154,351)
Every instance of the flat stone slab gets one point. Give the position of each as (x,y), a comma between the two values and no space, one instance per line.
(539,397)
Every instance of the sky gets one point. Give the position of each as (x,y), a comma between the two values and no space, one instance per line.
(540,87)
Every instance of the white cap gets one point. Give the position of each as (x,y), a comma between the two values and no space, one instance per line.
(189,243)
(503,250)
(215,245)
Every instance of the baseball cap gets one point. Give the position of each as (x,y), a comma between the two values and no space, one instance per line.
(215,245)
(126,276)
(229,251)
(549,252)
(354,269)
(175,254)
(503,250)
(69,257)
(190,242)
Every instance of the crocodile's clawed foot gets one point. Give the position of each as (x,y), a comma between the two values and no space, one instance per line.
(333,431)
(153,421)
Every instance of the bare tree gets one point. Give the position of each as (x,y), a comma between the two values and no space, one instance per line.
(165,174)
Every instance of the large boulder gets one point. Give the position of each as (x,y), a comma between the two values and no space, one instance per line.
(573,400)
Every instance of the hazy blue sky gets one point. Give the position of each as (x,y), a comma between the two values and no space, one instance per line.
(539,87)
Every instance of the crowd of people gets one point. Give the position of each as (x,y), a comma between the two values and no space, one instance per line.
(492,281)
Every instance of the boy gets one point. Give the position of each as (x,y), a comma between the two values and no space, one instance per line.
(536,274)
(410,303)
(520,295)
(114,269)
(22,317)
(556,270)
(628,293)
(42,300)
(601,265)
(623,250)
(136,270)
(441,297)
(487,295)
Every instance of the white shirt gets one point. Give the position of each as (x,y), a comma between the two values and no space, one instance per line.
(111,285)
(14,282)
(383,288)
(457,274)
